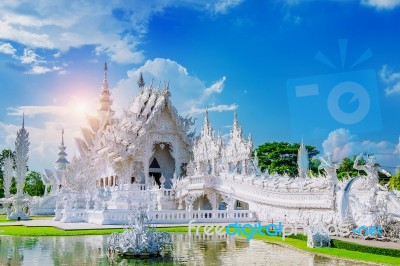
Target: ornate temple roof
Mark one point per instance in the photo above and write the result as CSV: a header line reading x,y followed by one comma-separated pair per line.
x,y
121,136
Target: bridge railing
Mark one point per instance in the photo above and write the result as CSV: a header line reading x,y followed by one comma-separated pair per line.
x,y
173,216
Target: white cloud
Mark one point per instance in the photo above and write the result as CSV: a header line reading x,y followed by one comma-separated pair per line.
x,y
188,92
341,143
217,108
114,28
391,80
38,110
37,64
381,4
223,6
29,57
217,87
7,48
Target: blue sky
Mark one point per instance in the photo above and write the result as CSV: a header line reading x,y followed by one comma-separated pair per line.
x,y
252,56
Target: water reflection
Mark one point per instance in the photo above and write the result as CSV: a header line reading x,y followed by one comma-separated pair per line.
x,y
193,250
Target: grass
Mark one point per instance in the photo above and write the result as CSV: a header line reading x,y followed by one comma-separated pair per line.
x,y
296,243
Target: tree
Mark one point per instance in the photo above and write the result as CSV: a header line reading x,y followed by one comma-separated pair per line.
x,y
33,184
394,182
314,164
281,157
346,169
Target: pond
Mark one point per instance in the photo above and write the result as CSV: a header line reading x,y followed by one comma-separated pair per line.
x,y
195,250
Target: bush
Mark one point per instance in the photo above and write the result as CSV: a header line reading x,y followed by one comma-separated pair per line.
x,y
298,236
365,249
355,247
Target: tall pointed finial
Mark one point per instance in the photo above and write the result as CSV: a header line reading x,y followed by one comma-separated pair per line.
x,y
23,120
62,137
206,116
105,83
235,118
140,81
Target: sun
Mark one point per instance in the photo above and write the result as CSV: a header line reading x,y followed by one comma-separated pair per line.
x,y
80,108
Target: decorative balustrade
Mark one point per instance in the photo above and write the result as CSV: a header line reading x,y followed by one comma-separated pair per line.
x,y
133,187
115,216
248,189
74,216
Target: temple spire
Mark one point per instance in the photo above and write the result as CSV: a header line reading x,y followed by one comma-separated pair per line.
x,y
105,97
23,120
61,163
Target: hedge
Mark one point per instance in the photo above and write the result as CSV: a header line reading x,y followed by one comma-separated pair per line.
x,y
335,243
366,249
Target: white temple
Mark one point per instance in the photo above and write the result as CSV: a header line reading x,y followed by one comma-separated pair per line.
x,y
148,157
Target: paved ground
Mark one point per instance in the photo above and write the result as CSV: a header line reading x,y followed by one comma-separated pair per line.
x,y
77,226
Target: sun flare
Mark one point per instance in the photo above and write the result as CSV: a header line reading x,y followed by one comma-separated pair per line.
x,y
80,108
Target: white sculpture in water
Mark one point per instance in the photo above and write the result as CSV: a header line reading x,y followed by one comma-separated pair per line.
x,y
139,239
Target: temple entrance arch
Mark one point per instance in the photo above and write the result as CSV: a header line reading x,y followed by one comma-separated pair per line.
x,y
162,163
202,203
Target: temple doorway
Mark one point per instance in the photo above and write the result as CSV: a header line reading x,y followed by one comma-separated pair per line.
x,y
162,163
156,177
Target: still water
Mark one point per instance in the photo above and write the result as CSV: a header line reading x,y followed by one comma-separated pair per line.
x,y
91,250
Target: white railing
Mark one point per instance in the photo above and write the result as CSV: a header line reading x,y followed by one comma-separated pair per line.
x,y
134,187
114,216
74,216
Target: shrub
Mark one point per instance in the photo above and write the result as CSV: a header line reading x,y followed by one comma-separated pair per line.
x,y
365,249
